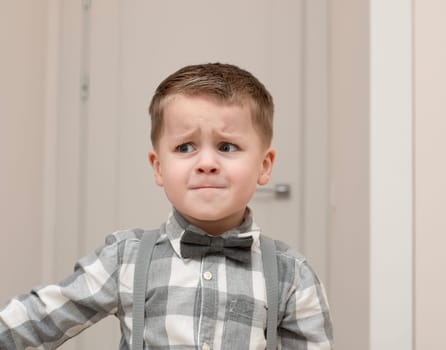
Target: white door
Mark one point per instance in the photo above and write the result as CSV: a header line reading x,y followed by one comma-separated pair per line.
x,y
127,48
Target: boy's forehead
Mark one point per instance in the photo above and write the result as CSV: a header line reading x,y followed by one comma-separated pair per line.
x,y
198,105
211,98
184,112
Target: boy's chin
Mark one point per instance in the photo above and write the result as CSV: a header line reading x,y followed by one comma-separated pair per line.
x,y
211,215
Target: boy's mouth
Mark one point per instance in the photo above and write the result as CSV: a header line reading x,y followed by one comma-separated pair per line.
x,y
203,187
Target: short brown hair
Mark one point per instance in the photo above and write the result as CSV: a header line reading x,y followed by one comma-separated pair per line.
x,y
224,82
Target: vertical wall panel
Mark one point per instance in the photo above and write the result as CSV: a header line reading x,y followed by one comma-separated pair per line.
x,y
391,179
430,173
22,88
349,226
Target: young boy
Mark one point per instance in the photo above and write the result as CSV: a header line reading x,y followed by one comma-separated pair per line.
x,y
211,137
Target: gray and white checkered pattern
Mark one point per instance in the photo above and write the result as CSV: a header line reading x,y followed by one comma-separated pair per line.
x,y
212,302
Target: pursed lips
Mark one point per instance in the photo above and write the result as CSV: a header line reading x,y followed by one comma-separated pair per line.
x,y
206,186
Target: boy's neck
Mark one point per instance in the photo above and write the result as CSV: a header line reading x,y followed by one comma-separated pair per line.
x,y
219,227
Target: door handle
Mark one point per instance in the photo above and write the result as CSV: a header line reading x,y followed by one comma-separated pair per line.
x,y
279,190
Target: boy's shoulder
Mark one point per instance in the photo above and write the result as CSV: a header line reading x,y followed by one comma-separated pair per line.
x,y
285,252
133,234
129,239
294,271
122,245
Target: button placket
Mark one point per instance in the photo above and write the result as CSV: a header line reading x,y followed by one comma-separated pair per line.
x,y
209,300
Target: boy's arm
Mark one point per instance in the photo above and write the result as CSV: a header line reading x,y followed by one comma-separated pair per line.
x,y
48,316
306,322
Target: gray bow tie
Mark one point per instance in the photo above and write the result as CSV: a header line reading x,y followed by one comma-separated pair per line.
x,y
196,245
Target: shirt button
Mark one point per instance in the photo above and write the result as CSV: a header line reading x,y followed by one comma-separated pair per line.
x,y
207,276
205,346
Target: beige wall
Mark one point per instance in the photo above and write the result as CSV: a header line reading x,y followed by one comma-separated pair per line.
x,y
22,86
430,173
349,231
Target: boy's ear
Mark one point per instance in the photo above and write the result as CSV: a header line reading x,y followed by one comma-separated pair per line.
x,y
267,166
155,163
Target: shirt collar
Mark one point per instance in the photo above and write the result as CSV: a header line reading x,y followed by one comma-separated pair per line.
x,y
176,224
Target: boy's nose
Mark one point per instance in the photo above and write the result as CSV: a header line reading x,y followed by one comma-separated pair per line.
x,y
207,163
207,170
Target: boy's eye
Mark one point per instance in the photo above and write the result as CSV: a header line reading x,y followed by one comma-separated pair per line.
x,y
185,148
227,147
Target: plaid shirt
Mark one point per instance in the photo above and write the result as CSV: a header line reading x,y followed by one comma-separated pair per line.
x,y
207,303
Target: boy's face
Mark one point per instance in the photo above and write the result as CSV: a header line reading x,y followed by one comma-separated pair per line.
x,y
209,159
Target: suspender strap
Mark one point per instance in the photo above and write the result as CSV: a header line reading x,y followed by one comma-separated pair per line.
x,y
142,263
269,259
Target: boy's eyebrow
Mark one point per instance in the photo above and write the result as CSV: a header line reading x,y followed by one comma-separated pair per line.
x,y
187,134
228,134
